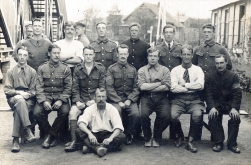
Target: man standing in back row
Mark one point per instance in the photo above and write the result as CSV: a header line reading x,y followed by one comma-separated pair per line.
x,y
80,32
105,49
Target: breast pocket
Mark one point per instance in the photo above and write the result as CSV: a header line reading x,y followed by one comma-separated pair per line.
x,y
46,79
82,79
97,55
130,79
109,54
59,79
118,79
95,81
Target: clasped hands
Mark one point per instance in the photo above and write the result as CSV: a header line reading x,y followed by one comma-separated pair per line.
x,y
126,104
94,140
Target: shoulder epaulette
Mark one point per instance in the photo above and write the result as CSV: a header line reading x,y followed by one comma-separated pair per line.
x,y
64,63
131,65
78,65
217,43
44,63
93,41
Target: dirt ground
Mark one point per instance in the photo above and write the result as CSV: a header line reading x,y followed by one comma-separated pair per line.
x,y
33,154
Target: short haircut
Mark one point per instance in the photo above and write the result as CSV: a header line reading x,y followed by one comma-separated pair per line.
x,y
100,23
152,50
36,20
134,24
209,26
221,56
100,90
89,47
169,25
123,46
28,26
69,23
52,46
22,47
188,47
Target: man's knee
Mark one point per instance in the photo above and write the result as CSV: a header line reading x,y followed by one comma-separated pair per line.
x,y
196,116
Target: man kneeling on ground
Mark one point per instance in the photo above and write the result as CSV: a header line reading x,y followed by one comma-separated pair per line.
x,y
100,127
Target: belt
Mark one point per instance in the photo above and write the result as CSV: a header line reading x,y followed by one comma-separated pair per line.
x,y
152,94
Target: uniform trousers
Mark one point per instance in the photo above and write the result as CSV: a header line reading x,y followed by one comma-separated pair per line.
x,y
113,146
21,108
217,131
158,103
41,116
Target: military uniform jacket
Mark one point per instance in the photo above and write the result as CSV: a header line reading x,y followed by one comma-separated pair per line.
x,y
84,85
204,56
105,51
54,82
121,83
137,52
223,88
170,58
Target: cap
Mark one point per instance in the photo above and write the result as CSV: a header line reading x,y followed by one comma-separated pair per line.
x,y
79,23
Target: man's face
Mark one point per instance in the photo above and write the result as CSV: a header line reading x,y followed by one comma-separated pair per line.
x,y
69,32
153,58
221,64
37,27
89,55
55,55
22,56
101,30
29,32
208,34
80,30
122,55
134,32
186,56
169,34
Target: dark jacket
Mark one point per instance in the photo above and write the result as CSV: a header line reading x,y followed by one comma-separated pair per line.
x,y
121,83
84,85
170,58
54,82
223,88
204,56
137,52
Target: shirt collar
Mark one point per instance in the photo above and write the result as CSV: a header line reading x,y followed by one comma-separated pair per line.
x,y
122,65
221,73
104,40
134,40
37,42
187,67
53,65
156,67
19,66
171,44
83,65
210,43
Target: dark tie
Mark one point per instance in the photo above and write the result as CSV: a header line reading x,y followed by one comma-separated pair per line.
x,y
186,76
169,46
21,71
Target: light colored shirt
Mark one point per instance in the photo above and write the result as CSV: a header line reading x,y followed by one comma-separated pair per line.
x,y
68,49
171,44
111,119
196,77
151,74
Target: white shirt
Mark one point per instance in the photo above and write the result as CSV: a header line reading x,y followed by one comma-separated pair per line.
x,y
111,119
196,77
68,49
171,44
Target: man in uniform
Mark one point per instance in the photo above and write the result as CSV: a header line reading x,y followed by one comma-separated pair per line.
x,y
87,77
80,32
123,92
53,89
105,49
187,79
71,50
154,81
29,31
223,96
20,92
170,57
100,127
37,45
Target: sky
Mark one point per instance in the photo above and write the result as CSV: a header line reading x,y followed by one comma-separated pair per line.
x,y
191,8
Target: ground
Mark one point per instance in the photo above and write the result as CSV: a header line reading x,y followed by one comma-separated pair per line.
x,y
134,154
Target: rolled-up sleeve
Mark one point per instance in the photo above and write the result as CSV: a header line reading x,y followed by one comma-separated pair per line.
x,y
166,79
86,117
116,120
141,77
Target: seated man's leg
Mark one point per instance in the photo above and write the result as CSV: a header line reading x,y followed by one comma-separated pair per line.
x,y
132,113
73,116
176,111
217,131
163,117
146,109
115,144
117,107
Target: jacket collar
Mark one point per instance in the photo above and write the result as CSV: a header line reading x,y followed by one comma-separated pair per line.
x,y
38,43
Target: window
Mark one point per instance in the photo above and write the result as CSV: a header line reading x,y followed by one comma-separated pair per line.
x,y
226,27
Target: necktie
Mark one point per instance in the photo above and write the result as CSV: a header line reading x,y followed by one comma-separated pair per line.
x,y
186,76
169,46
21,71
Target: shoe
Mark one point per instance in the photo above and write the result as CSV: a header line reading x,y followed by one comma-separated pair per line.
x,y
179,142
85,150
129,139
101,151
148,143
72,147
67,144
218,147
54,142
155,143
46,143
190,147
234,149
139,137
15,145
29,135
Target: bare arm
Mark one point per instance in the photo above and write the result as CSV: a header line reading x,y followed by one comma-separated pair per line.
x,y
160,89
149,86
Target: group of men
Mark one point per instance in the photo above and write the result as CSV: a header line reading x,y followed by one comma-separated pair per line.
x,y
107,92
